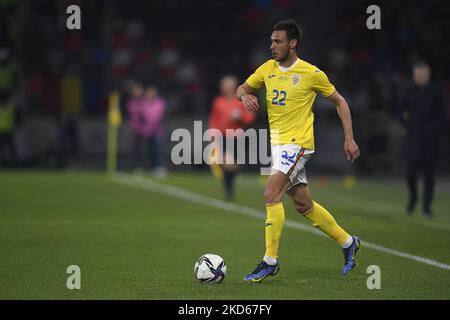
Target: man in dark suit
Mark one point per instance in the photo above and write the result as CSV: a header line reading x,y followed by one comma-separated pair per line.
x,y
421,114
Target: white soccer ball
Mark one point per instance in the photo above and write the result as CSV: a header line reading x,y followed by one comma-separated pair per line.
x,y
210,268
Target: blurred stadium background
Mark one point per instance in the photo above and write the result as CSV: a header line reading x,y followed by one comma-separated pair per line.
x,y
61,80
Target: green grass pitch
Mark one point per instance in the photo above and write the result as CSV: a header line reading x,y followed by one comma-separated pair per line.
x,y
135,243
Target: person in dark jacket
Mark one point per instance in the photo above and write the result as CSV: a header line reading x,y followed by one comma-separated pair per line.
x,y
421,114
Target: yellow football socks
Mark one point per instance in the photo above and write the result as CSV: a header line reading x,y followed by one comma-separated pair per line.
x,y
324,221
274,227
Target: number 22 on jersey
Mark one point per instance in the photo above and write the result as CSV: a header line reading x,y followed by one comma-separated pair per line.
x,y
279,98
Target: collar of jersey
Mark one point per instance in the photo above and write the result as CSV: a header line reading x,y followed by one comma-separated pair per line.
x,y
288,68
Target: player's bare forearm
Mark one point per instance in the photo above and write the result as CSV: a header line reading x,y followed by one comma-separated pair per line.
x,y
240,92
245,93
344,114
244,89
351,149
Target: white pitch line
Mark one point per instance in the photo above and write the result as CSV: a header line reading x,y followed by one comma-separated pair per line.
x,y
190,196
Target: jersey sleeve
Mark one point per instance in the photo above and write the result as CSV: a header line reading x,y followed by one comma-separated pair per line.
x,y
256,80
321,84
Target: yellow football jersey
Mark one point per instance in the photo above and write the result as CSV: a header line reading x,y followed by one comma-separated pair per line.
x,y
290,95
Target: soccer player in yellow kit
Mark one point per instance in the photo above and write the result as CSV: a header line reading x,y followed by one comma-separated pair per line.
x,y
291,88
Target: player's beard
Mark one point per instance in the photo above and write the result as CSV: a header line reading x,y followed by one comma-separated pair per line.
x,y
281,57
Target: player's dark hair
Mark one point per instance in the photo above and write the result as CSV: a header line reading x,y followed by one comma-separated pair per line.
x,y
421,64
292,28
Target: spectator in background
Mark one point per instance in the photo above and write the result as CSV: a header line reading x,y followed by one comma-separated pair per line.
x,y
8,110
146,110
228,113
71,95
421,114
134,106
9,69
8,155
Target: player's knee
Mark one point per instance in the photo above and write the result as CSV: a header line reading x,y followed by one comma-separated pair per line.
x,y
303,206
272,196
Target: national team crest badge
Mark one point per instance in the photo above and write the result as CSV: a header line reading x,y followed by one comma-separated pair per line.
x,y
295,80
